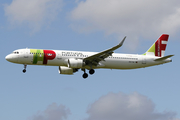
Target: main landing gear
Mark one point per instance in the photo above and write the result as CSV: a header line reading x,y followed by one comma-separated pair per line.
x,y
24,70
91,71
85,75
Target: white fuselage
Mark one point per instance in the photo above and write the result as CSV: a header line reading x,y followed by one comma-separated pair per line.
x,y
60,58
70,62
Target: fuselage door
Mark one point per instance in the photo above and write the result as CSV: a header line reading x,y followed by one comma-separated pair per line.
x,y
143,59
26,53
59,57
24,56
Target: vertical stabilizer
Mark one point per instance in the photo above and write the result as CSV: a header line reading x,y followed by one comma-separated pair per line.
x,y
159,47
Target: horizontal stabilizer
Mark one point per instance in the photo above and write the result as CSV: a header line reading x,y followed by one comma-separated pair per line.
x,y
163,58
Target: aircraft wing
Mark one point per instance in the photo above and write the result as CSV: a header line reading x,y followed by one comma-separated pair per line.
x,y
96,58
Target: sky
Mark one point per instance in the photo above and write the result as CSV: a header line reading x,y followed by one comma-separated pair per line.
x,y
89,25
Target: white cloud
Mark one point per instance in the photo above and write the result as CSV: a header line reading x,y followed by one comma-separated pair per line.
x,y
119,106
34,13
172,22
53,112
113,106
140,18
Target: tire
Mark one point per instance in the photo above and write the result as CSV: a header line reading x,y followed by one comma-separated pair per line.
x,y
85,75
91,71
24,70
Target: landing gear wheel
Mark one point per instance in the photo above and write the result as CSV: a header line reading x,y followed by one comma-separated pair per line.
x,y
91,71
85,75
24,70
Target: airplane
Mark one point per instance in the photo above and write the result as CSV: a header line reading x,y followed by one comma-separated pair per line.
x,y
70,62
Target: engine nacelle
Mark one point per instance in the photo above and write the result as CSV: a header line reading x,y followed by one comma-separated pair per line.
x,y
75,63
65,70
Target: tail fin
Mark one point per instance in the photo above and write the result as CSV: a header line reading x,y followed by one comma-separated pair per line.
x,y
159,47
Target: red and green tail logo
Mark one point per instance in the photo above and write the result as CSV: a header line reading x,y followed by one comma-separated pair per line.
x,y
159,47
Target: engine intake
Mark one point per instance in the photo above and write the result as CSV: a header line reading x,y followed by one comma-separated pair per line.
x,y
65,70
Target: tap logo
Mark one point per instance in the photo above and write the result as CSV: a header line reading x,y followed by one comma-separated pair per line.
x,y
42,56
160,45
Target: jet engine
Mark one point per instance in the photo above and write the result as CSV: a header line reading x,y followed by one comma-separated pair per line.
x,y
75,63
65,70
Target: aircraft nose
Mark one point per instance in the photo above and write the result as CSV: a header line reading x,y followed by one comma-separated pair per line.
x,y
9,58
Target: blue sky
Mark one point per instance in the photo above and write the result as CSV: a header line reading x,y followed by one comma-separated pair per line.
x,y
89,25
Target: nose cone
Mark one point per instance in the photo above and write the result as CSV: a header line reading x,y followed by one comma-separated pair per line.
x,y
8,58
12,58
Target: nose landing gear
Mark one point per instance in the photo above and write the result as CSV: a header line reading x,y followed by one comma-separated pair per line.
x,y
24,70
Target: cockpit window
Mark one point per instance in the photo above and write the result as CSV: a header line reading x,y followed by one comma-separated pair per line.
x,y
15,52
